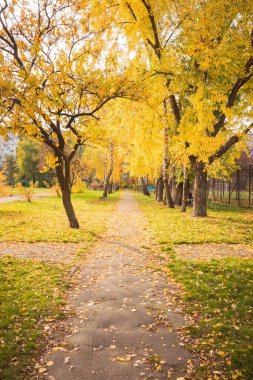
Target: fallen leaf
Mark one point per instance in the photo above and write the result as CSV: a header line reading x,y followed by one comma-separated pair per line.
x,y
42,370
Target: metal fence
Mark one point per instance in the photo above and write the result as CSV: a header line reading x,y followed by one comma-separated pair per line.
x,y
237,191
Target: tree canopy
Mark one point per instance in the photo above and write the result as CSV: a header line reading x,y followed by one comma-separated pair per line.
x,y
170,82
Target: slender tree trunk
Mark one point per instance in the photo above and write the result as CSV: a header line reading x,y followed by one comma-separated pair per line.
x,y
144,187
165,158
199,195
108,175
66,199
186,188
65,185
159,190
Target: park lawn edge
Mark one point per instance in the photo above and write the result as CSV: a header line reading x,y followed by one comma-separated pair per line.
x,y
25,313
217,298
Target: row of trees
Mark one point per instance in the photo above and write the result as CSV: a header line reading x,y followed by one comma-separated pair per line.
x,y
169,82
28,164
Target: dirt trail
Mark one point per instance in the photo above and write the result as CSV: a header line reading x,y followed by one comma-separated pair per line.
x,y
123,328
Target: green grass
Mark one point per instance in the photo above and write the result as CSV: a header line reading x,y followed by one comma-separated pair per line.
x,y
30,293
221,292
218,294
45,220
222,226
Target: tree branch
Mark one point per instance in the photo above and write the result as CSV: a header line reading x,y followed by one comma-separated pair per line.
x,y
225,147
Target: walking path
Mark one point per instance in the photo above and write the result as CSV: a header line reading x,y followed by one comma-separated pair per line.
x,y
15,198
123,327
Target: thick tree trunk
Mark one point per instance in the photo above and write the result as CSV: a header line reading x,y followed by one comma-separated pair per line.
x,y
199,195
186,188
177,192
168,194
159,189
144,187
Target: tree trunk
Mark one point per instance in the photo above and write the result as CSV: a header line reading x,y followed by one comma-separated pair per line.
x,y
199,195
66,199
65,185
186,188
177,192
108,175
159,189
168,194
165,158
144,187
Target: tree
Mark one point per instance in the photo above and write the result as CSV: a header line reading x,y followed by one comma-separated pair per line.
x,y
203,52
108,173
10,168
27,160
65,73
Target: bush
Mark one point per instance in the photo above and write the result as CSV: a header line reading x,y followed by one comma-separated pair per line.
x,y
27,192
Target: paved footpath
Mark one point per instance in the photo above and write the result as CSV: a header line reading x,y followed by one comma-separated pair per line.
x,y
15,198
123,327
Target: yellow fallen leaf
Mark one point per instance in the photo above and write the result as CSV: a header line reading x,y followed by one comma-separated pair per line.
x,y
58,348
222,353
50,363
122,359
42,370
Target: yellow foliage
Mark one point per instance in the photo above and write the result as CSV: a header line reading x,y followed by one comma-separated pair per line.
x,y
27,192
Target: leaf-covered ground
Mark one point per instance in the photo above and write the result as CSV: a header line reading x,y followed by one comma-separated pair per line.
x,y
44,219
222,226
217,293
30,295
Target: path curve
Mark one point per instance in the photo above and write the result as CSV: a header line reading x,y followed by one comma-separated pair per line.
x,y
123,328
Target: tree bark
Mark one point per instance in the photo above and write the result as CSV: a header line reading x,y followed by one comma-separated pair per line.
x,y
159,189
186,188
176,192
64,180
165,158
168,194
199,195
66,199
108,175
144,187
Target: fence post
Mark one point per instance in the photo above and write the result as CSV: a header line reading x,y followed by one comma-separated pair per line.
x,y
250,185
238,186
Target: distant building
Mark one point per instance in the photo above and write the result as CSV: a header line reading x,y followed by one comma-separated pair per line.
x,y
8,147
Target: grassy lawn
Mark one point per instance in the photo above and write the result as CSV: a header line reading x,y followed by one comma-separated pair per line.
x,y
222,226
217,294
45,220
30,294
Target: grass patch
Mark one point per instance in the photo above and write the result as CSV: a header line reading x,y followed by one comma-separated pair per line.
x,y
30,293
45,220
219,293
222,226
